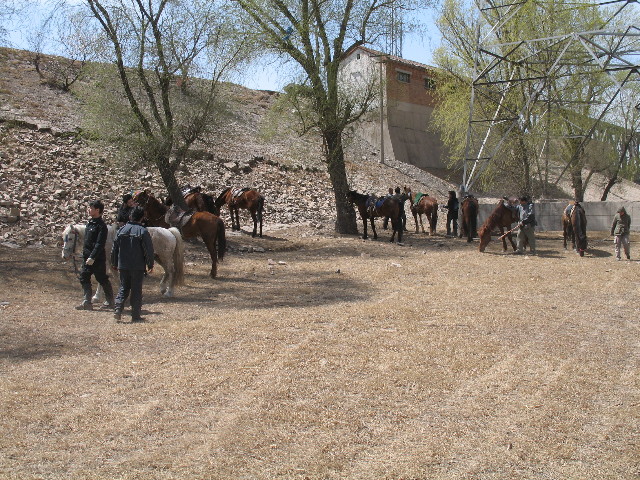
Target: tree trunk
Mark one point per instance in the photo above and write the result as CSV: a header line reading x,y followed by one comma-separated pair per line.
x,y
168,175
576,183
345,214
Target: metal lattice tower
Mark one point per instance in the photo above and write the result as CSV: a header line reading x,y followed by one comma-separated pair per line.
x,y
394,34
612,48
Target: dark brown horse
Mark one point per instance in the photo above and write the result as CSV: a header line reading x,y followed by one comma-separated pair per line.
x,y
469,224
422,203
502,217
370,207
245,198
204,224
574,226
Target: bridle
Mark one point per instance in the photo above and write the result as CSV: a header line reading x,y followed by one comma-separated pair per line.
x,y
144,203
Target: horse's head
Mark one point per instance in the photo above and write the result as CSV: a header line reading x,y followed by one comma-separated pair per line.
x,y
485,237
70,240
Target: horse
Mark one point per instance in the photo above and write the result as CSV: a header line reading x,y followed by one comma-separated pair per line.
x,y
574,226
423,204
201,202
207,225
370,207
501,217
168,250
246,198
469,224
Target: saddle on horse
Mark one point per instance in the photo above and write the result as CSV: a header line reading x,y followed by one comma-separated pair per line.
x,y
187,189
178,218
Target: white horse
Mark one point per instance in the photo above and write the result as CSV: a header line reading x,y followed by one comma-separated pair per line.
x,y
168,249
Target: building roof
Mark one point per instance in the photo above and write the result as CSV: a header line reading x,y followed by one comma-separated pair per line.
x,y
392,58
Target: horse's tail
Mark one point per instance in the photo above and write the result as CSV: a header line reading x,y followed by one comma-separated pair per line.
x,y
178,258
434,216
260,208
222,239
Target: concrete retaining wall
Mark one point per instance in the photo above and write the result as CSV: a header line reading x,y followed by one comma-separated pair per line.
x,y
599,214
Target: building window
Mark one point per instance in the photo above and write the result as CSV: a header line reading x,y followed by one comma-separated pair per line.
x,y
404,77
429,83
357,56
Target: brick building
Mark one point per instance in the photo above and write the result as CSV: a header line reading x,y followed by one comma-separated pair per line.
x,y
409,100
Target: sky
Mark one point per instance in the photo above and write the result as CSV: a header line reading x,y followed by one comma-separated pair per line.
x,y
273,75
418,47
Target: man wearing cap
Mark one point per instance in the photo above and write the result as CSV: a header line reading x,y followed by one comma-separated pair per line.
x,y
620,229
125,210
527,223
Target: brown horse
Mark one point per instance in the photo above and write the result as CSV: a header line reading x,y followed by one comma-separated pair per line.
x,y
246,198
574,226
201,202
469,224
422,203
204,224
502,217
370,207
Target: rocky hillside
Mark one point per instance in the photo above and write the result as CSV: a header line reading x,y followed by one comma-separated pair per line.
x,y
48,172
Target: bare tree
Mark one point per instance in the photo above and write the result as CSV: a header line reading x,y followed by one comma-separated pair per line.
x,y
170,58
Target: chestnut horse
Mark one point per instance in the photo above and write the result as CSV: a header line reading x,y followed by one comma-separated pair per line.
x,y
204,224
574,226
246,198
201,202
502,217
422,203
469,224
370,207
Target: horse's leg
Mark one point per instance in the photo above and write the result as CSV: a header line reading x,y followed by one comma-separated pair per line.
x,y
415,219
98,296
163,280
364,224
373,228
513,244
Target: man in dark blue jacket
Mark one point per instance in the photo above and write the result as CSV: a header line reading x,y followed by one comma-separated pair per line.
x,y
94,257
132,255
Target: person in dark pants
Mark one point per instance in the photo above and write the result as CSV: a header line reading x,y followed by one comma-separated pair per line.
x,y
125,210
132,256
452,213
94,257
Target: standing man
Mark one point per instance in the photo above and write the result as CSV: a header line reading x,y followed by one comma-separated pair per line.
x,y
620,228
452,213
132,256
125,210
527,223
94,257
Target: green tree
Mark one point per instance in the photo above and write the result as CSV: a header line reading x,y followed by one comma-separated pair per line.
x,y
170,57
315,35
546,94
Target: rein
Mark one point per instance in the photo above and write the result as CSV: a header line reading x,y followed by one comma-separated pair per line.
x,y
76,234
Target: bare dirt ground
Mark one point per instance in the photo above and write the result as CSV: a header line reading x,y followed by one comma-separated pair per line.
x,y
344,359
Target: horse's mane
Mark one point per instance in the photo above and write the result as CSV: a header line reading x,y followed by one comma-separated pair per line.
x,y
220,200
358,196
494,218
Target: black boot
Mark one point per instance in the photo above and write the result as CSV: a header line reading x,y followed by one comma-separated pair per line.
x,y
86,301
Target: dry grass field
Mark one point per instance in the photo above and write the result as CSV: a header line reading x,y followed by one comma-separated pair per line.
x,y
339,359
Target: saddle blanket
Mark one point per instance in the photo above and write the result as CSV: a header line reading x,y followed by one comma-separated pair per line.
x,y
178,218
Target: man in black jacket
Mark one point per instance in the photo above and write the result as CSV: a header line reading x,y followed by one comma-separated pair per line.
x,y
94,257
132,255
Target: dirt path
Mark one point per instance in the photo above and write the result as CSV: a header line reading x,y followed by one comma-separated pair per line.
x,y
342,358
